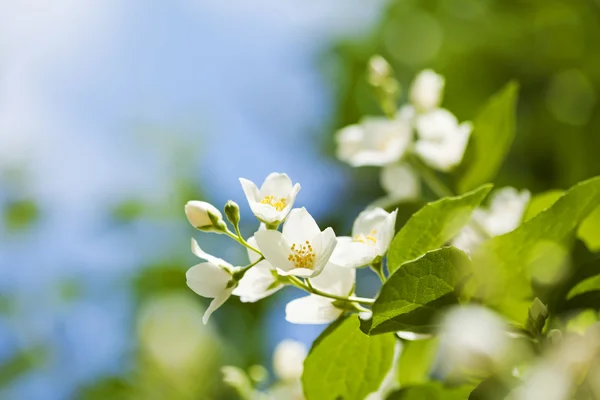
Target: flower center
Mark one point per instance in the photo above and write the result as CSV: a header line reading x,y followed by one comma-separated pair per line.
x,y
302,255
279,205
369,239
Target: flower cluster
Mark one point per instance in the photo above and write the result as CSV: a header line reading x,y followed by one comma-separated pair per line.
x,y
299,254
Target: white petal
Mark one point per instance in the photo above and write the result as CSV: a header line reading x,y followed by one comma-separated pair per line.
x,y
257,283
267,213
335,280
197,213
324,245
250,190
277,185
207,279
252,255
349,142
368,221
275,248
216,303
351,254
400,181
436,124
426,90
300,226
311,310
386,232
506,210
198,252
301,272
288,360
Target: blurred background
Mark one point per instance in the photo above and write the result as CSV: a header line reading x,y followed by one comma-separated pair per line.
x,y
114,114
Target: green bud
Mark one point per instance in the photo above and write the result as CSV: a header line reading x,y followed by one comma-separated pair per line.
x,y
536,319
232,212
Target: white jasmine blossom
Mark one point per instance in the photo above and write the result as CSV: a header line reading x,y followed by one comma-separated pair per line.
x,y
198,214
288,360
427,90
258,282
301,249
374,141
212,279
400,181
315,309
441,140
275,198
504,214
372,233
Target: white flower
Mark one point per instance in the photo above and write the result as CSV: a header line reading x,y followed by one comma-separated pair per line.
x,y
301,248
314,309
197,213
372,233
210,279
442,141
259,281
288,360
472,338
504,214
374,141
426,90
400,181
272,203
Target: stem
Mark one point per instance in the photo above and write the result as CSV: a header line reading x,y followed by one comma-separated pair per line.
x,y
242,271
377,267
238,238
310,289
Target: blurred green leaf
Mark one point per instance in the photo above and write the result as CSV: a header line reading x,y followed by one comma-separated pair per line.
x,y
344,363
433,225
588,285
416,360
589,230
493,134
432,391
21,214
503,263
541,202
412,296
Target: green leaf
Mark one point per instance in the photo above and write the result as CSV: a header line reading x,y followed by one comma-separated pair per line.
x,y
433,225
412,296
344,363
585,286
589,230
541,202
493,134
416,361
432,391
504,264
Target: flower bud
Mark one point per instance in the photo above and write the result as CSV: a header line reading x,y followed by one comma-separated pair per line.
x,y
204,216
232,212
379,70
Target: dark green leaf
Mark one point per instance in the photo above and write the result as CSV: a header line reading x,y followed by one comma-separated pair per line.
x,y
432,391
412,296
344,363
433,225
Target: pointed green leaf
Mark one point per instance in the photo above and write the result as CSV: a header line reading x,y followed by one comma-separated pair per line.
x,y
493,134
433,225
411,297
589,231
541,202
504,264
344,363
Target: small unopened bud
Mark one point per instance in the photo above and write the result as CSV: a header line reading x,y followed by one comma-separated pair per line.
x,y
204,216
379,70
232,212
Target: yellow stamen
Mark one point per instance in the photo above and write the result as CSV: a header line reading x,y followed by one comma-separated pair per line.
x,y
369,239
279,205
302,255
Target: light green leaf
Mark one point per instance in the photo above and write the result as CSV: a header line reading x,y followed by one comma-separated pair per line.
x,y
588,285
416,361
344,363
432,391
412,296
541,202
504,264
589,230
433,225
493,134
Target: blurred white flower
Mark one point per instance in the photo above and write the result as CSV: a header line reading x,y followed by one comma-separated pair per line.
x,y
374,141
426,90
372,233
211,279
301,248
441,140
472,339
504,214
259,281
272,203
288,360
314,309
197,213
400,181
